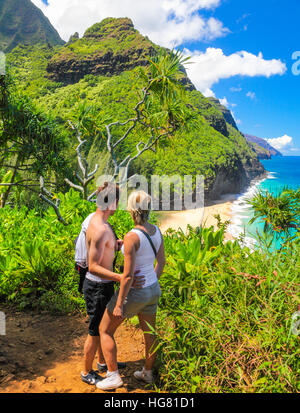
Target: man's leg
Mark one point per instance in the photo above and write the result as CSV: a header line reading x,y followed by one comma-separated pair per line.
x,y
108,326
91,345
101,358
108,292
92,295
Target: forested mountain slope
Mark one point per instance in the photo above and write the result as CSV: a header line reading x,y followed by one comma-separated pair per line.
x,y
100,71
21,22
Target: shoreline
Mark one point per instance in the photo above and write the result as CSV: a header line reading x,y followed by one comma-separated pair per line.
x,y
241,211
200,216
224,206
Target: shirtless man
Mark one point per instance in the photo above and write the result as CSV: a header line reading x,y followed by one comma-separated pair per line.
x,y
98,287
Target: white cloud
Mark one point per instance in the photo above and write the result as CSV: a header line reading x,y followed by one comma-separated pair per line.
x,y
166,22
235,89
284,142
211,66
251,95
209,93
224,102
237,121
243,17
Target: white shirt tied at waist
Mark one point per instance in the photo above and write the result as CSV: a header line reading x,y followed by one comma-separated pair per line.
x,y
80,248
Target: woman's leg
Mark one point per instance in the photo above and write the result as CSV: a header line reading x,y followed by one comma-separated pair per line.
x,y
150,339
108,326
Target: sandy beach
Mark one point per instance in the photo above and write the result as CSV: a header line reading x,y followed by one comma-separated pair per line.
x,y
201,216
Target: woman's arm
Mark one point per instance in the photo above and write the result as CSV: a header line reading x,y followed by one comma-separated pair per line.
x,y
130,243
161,259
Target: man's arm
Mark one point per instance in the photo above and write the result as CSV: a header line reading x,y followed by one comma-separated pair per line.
x,y
96,251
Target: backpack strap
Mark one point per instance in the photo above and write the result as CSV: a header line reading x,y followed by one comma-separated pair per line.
x,y
116,255
149,239
113,231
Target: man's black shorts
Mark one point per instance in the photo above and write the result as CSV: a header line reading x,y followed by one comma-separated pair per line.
x,y
96,295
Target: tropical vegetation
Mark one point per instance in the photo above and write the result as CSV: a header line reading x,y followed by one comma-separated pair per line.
x,y
225,318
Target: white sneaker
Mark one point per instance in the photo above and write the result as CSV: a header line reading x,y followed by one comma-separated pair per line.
x,y
112,381
144,375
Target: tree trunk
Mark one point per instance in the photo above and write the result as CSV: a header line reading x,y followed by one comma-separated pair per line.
x,y
5,195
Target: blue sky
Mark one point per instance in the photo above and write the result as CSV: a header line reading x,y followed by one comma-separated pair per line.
x,y
213,32
270,27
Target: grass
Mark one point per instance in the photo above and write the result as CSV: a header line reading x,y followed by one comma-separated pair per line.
x,y
225,315
232,333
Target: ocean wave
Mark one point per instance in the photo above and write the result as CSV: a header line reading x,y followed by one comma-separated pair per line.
x,y
272,175
242,211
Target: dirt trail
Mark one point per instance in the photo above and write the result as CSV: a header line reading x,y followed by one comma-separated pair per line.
x,y
43,354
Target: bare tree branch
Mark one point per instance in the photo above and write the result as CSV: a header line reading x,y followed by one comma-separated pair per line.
x,y
146,146
79,188
137,119
86,177
54,205
90,198
16,183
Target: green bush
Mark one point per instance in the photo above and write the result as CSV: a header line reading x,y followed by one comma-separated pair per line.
x,y
225,315
37,253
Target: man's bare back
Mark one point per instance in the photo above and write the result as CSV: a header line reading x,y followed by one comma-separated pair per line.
x,y
101,247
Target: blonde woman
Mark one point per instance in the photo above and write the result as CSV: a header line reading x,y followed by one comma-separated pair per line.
x,y
141,246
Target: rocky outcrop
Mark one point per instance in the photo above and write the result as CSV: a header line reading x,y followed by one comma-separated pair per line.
x,y
71,70
211,114
21,22
261,152
264,144
107,48
233,180
226,112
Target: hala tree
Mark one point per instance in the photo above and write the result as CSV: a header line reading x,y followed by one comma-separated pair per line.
x,y
30,144
279,212
159,112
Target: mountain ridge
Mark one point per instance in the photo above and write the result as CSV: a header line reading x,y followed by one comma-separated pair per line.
x,y
225,111
264,144
21,22
107,48
211,145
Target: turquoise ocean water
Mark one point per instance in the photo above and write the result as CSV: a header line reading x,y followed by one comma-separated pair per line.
x,y
282,171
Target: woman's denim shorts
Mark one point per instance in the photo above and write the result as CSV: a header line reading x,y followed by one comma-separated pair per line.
x,y
138,301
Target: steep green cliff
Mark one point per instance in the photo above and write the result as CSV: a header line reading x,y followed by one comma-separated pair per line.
x,y
261,152
107,48
61,80
225,112
261,146
21,22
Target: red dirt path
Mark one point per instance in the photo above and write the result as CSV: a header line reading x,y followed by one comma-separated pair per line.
x,y
43,354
